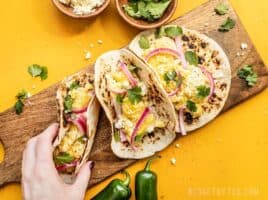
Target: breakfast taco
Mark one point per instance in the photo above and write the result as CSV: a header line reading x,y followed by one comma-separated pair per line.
x,y
78,110
141,114
191,67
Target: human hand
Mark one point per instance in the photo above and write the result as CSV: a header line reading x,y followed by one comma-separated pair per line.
x,y
40,179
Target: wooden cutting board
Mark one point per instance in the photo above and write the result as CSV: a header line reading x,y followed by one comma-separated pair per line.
x,y
15,130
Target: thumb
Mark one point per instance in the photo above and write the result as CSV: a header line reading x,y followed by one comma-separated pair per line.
x,y
83,176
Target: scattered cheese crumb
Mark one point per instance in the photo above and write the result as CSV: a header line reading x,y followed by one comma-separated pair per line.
x,y
33,86
91,45
244,46
87,55
242,54
99,41
177,145
173,161
238,54
206,24
29,95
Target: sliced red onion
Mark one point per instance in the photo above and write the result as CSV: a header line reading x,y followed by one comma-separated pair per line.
x,y
180,51
128,74
162,51
117,91
211,81
80,110
181,121
139,123
81,123
177,89
63,167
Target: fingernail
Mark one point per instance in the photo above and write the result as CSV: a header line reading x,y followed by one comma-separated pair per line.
x,y
91,165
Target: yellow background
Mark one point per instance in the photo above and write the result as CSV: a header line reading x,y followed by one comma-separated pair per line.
x,y
230,154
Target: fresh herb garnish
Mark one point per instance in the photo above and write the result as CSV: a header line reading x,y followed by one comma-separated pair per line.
x,y
133,68
191,58
191,106
248,74
37,70
203,91
144,42
68,104
119,99
82,139
74,85
160,31
63,158
138,138
170,76
21,96
149,10
173,31
134,95
116,136
227,25
221,9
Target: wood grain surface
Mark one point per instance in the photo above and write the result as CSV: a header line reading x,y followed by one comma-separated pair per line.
x,y
41,110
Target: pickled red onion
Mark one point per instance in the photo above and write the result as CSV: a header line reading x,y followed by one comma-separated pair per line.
x,y
211,81
177,89
162,51
66,166
128,74
139,123
80,122
79,110
180,51
181,121
122,136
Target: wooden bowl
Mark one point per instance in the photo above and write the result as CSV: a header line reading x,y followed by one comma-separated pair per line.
x,y
142,24
67,10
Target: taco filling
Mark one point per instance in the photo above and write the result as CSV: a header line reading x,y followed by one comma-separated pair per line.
x,y
76,98
135,117
187,68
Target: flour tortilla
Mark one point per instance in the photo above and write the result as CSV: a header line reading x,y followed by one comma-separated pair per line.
x,y
222,76
92,120
163,106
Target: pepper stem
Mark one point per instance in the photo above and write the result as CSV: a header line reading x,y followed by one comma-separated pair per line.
x,y
148,164
126,182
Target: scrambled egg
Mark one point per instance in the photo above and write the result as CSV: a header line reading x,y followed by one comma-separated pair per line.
x,y
70,143
81,96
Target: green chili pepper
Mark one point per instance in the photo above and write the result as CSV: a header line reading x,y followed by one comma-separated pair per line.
x,y
116,190
146,183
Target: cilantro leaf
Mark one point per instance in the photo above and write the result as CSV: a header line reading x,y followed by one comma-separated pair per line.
x,y
191,106
160,31
173,31
144,42
248,74
119,99
19,106
21,96
203,91
191,58
68,104
134,95
63,158
170,76
221,9
37,70
138,138
74,85
157,8
227,25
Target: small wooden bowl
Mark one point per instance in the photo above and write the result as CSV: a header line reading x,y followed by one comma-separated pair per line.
x,y
142,24
67,10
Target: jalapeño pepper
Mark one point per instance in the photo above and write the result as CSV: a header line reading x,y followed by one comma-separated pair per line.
x,y
116,190
146,183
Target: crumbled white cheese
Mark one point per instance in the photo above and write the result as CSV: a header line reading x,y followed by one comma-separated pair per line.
x,y
173,161
87,55
206,24
91,45
99,41
244,46
238,54
81,7
177,145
